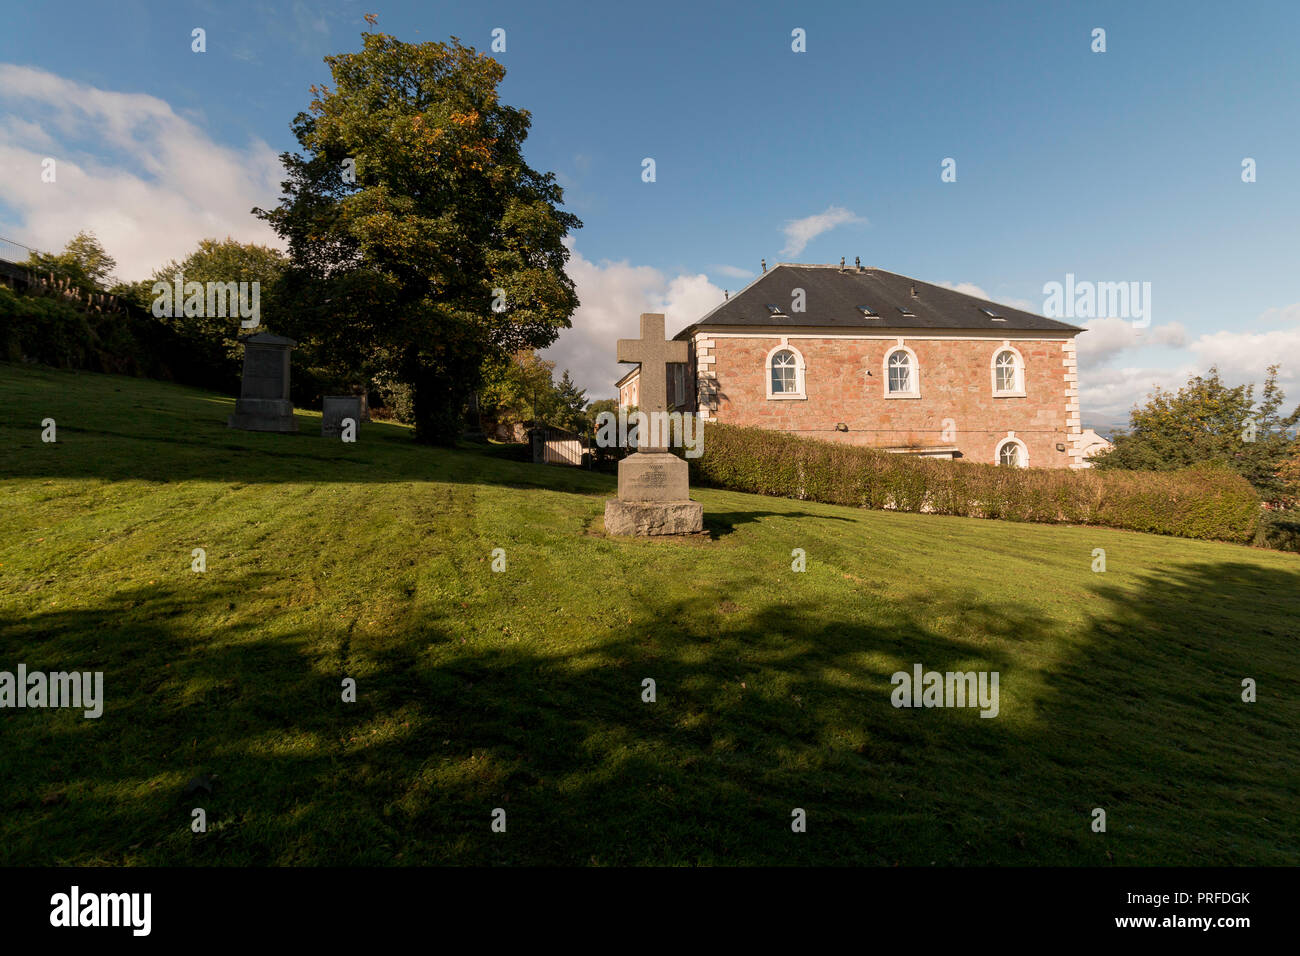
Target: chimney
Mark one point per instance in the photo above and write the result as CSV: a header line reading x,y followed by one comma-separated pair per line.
x,y
857,261
913,288
726,294
841,263
764,261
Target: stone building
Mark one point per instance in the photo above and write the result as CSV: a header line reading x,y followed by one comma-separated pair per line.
x,y
869,357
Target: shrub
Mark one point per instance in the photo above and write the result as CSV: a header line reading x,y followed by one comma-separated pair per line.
x,y
1280,531
50,329
1198,502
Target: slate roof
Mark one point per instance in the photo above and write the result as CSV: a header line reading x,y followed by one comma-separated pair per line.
x,y
833,299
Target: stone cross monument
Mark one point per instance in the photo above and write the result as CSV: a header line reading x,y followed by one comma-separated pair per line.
x,y
653,484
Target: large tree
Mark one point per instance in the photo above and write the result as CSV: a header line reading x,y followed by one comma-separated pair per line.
x,y
225,260
422,244
83,261
1206,420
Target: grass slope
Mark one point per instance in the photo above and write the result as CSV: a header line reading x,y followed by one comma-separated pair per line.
x,y
522,689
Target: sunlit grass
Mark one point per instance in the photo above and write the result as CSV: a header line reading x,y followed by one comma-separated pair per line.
x,y
523,690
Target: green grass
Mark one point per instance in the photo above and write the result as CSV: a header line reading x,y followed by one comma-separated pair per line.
x,y
522,689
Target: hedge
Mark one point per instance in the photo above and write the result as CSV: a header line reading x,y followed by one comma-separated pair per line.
x,y
50,330
1199,502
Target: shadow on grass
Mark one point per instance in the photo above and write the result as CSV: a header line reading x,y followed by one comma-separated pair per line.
x,y
757,713
720,523
185,437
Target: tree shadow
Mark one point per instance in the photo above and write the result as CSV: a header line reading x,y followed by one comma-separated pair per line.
x,y
757,711
719,523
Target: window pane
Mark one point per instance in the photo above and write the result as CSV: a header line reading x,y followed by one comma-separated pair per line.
x,y
1010,454
900,372
784,374
1005,375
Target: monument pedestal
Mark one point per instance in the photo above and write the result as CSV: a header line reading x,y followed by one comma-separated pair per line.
x,y
263,415
263,404
653,497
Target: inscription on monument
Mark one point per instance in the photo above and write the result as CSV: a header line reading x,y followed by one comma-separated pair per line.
x,y
654,477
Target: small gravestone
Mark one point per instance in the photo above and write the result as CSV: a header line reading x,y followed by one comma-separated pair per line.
x,y
653,483
264,404
335,408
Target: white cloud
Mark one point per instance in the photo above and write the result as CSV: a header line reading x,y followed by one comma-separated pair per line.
x,y
970,288
800,232
613,295
965,288
1108,393
1287,313
731,272
1106,338
147,181
1245,357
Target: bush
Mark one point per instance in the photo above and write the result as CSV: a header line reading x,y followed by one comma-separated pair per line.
x,y
1199,502
63,333
1280,531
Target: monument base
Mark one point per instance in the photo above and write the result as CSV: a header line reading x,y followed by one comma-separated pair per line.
x,y
645,518
263,415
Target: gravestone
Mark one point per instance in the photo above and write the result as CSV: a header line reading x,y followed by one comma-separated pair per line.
x,y
335,408
653,483
263,404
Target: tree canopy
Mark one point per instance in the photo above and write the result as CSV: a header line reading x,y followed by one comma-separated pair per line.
x,y
522,389
83,261
1206,420
225,260
422,244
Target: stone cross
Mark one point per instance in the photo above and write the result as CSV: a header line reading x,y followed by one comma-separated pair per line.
x,y
654,354
653,484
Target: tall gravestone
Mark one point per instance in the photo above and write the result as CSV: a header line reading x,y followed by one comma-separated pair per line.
x,y
264,404
653,483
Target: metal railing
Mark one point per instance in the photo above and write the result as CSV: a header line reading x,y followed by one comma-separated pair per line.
x,y
14,252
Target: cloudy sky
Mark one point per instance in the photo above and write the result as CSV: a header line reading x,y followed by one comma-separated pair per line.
x,y
1122,166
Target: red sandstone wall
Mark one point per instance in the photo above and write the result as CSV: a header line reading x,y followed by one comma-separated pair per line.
x,y
955,382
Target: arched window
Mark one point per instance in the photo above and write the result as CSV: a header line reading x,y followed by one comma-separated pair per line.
x,y
785,373
785,370
902,376
1008,372
1011,452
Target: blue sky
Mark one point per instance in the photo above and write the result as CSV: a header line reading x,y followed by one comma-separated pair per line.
x,y
1115,166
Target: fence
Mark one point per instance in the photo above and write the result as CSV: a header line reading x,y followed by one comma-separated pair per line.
x,y
556,446
15,252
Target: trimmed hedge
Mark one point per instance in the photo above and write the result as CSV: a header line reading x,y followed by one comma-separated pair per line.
x,y
54,331
1199,502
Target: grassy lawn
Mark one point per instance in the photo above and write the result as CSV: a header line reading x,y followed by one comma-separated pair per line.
x,y
522,689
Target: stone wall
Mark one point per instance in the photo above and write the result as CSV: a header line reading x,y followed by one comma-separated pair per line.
x,y
845,382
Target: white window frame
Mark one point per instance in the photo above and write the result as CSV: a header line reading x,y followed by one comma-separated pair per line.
x,y
915,367
1019,390
798,393
1011,439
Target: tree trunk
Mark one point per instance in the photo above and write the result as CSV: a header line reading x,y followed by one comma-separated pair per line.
x,y
437,403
